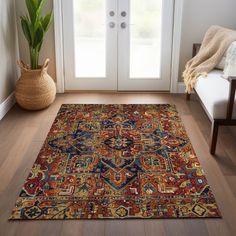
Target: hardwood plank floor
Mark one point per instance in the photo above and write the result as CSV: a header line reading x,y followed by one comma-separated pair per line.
x,y
22,134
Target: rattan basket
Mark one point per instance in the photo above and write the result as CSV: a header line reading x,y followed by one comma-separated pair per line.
x,y
35,90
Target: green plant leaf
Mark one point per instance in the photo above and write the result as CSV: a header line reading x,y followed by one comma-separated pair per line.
x,y
30,26
26,29
36,2
39,33
39,46
34,26
31,9
41,4
46,21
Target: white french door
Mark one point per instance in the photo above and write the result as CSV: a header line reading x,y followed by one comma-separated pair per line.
x,y
117,44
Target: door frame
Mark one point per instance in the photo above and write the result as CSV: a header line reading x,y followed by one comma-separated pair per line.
x,y
59,42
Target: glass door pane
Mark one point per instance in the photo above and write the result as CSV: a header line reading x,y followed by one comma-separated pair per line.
x,y
90,38
90,44
145,38
145,44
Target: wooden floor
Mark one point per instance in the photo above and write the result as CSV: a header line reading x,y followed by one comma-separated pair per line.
x,y
22,134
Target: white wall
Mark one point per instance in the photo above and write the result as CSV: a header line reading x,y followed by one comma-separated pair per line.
x,y
48,48
198,16
8,49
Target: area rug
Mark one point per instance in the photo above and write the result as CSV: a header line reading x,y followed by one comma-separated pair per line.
x,y
116,162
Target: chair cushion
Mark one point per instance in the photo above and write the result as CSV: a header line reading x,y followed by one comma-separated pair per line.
x,y
221,64
213,91
230,62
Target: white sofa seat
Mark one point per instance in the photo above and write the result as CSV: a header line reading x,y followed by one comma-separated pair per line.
x,y
213,91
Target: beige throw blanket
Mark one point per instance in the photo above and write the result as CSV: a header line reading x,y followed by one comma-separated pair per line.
x,y
215,43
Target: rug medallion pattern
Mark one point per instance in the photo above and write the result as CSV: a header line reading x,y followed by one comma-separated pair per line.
x,y
116,161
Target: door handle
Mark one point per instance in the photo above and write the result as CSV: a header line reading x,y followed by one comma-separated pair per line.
x,y
123,25
111,13
112,25
123,13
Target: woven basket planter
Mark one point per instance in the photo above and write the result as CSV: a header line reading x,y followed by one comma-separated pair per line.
x,y
35,90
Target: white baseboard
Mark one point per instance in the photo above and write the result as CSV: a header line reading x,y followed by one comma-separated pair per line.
x,y
181,87
7,105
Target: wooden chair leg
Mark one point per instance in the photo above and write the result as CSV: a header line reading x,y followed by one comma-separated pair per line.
x,y
188,95
214,135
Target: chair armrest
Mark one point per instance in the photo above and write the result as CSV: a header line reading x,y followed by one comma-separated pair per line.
x,y
196,48
231,97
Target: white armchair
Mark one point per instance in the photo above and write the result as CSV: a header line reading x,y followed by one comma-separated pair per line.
x,y
217,96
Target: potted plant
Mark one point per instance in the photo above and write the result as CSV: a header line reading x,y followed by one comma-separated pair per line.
x,y
35,90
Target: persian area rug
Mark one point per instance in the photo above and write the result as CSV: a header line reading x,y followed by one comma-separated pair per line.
x,y
116,161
